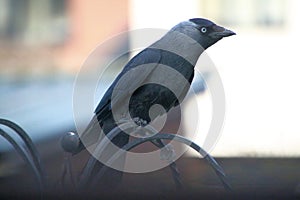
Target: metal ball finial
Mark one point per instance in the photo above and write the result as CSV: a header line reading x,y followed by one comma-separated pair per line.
x,y
70,142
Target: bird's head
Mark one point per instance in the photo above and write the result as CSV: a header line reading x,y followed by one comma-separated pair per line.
x,y
205,32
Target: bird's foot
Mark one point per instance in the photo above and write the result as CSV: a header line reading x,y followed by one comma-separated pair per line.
x,y
140,121
139,131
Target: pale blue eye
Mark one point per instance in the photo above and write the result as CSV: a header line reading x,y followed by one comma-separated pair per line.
x,y
203,30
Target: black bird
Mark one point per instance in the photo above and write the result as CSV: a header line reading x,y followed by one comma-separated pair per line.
x,y
144,83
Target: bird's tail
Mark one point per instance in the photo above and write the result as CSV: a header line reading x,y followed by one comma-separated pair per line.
x,y
90,135
93,134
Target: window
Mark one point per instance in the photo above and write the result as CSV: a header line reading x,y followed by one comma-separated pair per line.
x,y
33,22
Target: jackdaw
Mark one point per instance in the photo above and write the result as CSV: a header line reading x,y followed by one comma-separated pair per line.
x,y
160,74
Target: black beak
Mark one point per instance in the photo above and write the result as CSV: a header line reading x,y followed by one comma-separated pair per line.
x,y
226,33
220,32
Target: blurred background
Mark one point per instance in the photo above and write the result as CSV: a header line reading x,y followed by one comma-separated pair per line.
x,y
44,43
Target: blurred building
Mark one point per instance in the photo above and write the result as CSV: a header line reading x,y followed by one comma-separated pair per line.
x,y
259,66
61,33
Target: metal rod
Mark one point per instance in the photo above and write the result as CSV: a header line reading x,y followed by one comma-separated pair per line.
x,y
211,161
28,142
25,156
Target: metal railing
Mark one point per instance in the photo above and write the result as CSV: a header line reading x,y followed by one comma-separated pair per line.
x,y
70,142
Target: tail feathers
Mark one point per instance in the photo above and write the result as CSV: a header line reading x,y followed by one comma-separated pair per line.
x,y
90,135
94,134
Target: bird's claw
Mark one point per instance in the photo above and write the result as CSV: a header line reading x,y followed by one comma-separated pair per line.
x,y
140,121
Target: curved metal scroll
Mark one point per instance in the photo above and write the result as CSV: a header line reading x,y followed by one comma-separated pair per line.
x,y
29,154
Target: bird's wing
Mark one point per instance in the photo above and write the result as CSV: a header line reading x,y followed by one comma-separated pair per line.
x,y
186,71
131,81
